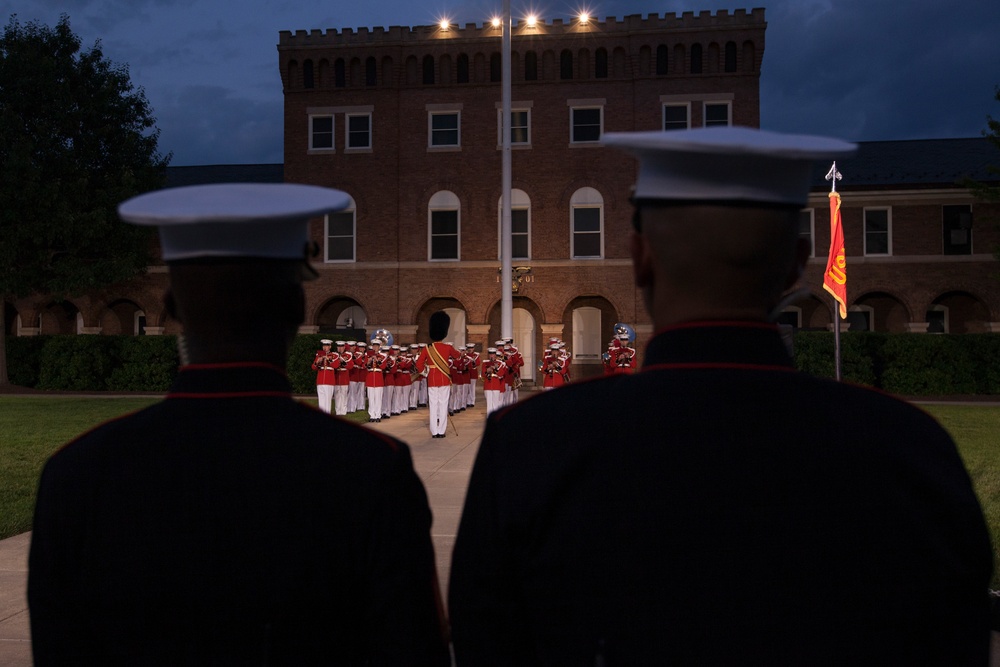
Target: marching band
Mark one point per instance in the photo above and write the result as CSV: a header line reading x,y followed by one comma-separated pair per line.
x,y
388,374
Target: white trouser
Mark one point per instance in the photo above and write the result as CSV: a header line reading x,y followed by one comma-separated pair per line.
x,y
492,397
414,391
437,400
324,392
387,400
400,398
340,399
422,392
374,402
359,395
472,393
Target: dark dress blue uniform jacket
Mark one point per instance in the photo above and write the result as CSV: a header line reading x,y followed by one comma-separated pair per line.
x,y
718,508
232,525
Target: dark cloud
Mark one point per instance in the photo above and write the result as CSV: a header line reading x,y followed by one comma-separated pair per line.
x,y
861,69
214,125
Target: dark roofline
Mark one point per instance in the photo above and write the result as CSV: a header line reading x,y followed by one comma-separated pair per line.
x,y
915,163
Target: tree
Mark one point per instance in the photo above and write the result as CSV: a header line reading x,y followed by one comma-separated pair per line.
x,y
986,191
76,139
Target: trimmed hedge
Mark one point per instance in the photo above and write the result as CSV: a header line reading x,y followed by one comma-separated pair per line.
x,y
905,364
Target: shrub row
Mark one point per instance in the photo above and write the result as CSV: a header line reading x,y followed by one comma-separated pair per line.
x,y
905,364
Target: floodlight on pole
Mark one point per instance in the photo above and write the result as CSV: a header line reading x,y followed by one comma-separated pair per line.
x,y
506,243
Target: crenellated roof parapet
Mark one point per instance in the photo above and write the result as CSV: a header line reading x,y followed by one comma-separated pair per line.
x,y
634,23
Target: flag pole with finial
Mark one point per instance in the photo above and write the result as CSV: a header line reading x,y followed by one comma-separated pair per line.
x,y
835,278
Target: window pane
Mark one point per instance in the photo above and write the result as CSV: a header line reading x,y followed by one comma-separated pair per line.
x,y
340,248
340,224
519,221
442,121
877,232
586,220
716,114
444,222
675,118
587,245
586,124
519,246
322,132
444,247
358,135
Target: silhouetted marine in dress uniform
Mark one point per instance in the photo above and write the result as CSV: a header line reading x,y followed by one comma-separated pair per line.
x,y
740,512
230,524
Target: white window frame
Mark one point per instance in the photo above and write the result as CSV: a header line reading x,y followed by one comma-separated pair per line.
x,y
353,210
332,148
582,105
435,110
811,212
676,105
717,103
516,107
585,198
348,148
444,200
888,218
519,201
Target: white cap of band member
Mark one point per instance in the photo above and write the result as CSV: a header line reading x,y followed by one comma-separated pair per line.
x,y
326,341
726,164
200,221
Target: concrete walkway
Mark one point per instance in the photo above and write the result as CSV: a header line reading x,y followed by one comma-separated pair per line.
x,y
443,464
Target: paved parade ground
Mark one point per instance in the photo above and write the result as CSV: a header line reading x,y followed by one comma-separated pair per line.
x,y
443,464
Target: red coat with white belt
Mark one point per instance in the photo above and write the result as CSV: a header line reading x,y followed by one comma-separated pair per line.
x,y
435,377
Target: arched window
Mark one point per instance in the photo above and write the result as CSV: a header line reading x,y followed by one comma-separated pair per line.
x,y
520,225
586,224
696,58
566,64
355,72
339,73
443,225
463,68
307,74
749,56
730,65
496,73
371,71
601,63
428,70
530,66
662,66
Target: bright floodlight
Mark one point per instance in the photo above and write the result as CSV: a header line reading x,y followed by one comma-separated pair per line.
x,y
532,20
445,24
495,21
584,18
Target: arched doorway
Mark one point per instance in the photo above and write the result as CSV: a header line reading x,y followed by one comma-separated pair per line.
x,y
523,328
343,317
957,312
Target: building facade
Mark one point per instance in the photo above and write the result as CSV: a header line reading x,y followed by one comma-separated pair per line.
x,y
407,122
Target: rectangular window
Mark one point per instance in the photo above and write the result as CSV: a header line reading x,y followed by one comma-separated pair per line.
x,y
807,231
878,231
957,226
676,117
586,124
444,129
359,131
520,127
717,113
340,236
321,133
519,233
586,232
444,234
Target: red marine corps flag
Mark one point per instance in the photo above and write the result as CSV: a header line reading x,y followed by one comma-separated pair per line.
x,y
835,278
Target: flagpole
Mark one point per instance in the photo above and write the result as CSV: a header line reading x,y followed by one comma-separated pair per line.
x,y
833,176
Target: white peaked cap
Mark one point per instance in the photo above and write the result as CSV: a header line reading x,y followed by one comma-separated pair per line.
x,y
726,164
266,220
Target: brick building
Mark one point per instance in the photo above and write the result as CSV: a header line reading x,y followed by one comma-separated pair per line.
x,y
407,121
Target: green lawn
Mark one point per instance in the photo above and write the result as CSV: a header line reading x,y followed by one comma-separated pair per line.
x,y
31,428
